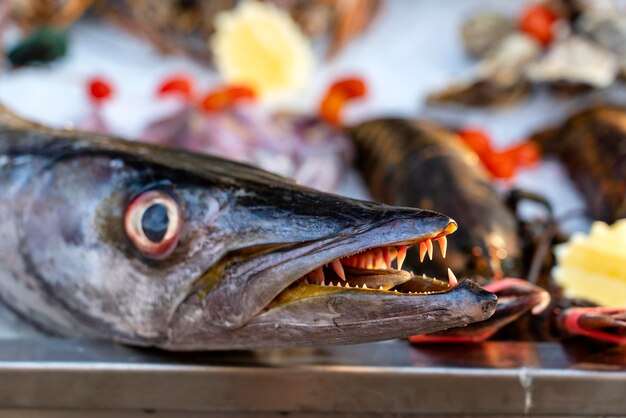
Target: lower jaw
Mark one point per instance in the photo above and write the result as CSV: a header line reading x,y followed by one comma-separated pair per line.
x,y
304,290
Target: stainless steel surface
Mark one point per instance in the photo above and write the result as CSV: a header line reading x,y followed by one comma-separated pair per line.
x,y
44,377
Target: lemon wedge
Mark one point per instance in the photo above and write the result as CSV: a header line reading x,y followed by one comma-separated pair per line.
x,y
593,266
260,46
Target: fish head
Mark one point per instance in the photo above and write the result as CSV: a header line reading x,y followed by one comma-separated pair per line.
x,y
155,246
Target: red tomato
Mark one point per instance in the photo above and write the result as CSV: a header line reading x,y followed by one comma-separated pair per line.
x,y
338,95
100,90
538,22
181,85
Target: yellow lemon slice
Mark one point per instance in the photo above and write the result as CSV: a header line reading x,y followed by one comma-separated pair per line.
x,y
260,46
593,266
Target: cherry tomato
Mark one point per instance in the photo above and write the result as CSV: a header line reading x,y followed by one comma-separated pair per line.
x,y
476,139
225,97
179,85
538,22
338,95
100,90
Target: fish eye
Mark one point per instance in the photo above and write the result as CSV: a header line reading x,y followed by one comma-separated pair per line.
x,y
153,221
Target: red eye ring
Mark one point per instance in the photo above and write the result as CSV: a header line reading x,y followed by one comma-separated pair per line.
x,y
153,221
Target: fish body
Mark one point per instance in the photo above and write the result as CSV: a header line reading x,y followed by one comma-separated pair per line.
x,y
153,246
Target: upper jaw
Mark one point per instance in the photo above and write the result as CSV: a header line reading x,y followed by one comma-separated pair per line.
x,y
250,287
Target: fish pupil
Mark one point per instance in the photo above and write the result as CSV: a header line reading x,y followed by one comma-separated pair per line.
x,y
154,222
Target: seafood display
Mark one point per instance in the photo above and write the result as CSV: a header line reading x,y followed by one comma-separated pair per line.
x,y
417,163
569,48
394,155
154,246
187,27
170,239
499,78
591,145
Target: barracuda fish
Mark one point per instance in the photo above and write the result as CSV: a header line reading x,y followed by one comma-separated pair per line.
x,y
153,246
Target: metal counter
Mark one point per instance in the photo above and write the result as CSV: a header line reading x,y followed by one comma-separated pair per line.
x,y
66,378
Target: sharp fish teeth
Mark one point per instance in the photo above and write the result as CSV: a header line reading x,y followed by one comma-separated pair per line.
x,y
429,246
339,269
452,278
423,250
317,275
443,245
401,256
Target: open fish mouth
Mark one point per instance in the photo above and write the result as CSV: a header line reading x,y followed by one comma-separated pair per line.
x,y
375,269
345,287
